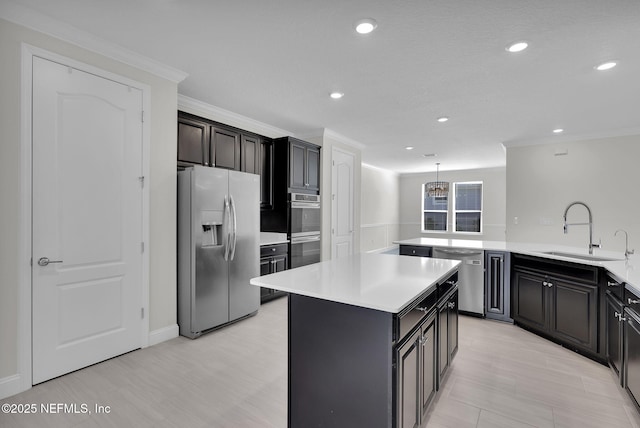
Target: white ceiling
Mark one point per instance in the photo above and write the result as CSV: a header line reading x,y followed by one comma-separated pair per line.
x,y
277,61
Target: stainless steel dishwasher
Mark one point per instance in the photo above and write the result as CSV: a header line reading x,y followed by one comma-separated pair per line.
x,y
470,277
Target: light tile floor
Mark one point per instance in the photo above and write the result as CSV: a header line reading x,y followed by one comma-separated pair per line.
x,y
236,377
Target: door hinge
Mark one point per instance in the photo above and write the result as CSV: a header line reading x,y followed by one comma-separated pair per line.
x,y
141,178
142,116
142,247
141,313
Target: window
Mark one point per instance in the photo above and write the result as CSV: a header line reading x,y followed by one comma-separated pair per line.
x,y
434,212
467,207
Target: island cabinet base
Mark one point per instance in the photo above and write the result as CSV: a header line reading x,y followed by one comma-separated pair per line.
x,y
340,365
351,366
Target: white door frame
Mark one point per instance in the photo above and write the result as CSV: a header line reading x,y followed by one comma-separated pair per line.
x,y
24,350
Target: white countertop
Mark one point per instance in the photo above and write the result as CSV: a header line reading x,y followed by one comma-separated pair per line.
x,y
622,270
383,282
271,238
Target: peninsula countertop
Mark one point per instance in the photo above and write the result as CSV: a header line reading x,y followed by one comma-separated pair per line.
x,y
382,282
627,271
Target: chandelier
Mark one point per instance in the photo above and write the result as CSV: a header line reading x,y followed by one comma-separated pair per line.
x,y
437,188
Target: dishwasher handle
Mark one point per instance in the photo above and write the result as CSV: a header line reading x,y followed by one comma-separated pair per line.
x,y
464,253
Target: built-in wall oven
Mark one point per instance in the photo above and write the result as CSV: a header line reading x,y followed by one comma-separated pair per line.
x,y
304,229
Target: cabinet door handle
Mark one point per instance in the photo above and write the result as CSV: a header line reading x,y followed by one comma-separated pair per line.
x,y
451,305
549,284
545,283
632,302
619,316
612,284
424,340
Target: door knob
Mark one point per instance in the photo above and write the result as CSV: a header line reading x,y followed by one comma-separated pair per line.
x,y
44,261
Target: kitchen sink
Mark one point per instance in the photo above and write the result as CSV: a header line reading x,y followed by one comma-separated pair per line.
x,y
582,256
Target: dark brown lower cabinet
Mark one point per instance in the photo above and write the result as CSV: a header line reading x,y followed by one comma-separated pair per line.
x,y
574,316
565,310
273,258
530,300
417,374
356,367
447,333
497,287
614,332
631,370
408,376
428,360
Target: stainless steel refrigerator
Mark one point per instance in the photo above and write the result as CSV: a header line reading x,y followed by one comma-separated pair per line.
x,y
218,247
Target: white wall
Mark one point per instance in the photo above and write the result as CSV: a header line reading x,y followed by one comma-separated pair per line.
x,y
494,200
602,173
162,181
380,205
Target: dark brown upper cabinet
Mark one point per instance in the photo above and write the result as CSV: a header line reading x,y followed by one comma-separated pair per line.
x,y
205,142
250,153
193,142
266,174
225,148
304,166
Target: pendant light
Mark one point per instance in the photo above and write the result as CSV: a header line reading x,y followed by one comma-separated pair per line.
x,y
437,188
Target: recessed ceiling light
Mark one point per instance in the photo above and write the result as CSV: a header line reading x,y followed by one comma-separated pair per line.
x,y
365,26
336,95
409,147
558,131
443,119
606,66
517,47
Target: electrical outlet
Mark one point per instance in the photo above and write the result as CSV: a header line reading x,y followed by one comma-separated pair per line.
x,y
546,221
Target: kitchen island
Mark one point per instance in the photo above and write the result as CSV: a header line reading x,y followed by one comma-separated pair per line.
x,y
370,338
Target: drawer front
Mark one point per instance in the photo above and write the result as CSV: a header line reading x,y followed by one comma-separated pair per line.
x,y
411,250
273,250
615,287
411,319
632,300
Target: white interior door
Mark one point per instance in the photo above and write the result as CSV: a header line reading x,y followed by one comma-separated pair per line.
x,y
87,219
342,204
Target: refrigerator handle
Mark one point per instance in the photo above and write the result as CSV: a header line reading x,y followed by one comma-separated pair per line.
x,y
227,211
235,228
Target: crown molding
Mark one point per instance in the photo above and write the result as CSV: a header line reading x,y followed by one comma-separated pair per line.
x,y
377,168
571,138
328,133
200,108
37,21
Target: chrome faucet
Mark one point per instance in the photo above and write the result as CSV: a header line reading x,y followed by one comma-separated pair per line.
x,y
627,251
590,224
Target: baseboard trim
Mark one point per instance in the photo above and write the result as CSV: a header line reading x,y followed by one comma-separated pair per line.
x,y
11,385
163,334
